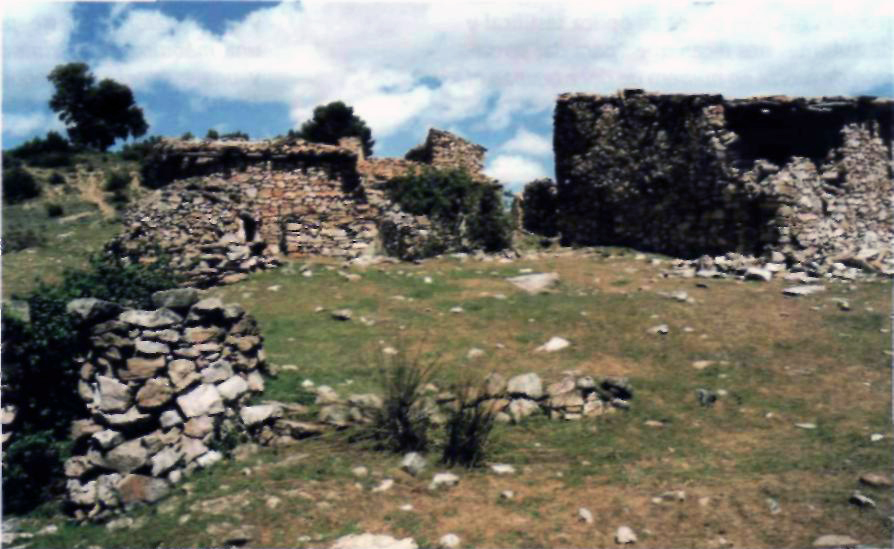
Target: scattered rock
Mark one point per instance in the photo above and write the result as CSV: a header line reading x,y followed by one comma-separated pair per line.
x,y
805,425
625,535
861,500
360,471
384,486
413,463
449,541
502,469
584,515
507,494
661,329
373,541
797,291
535,283
443,480
342,314
835,541
526,385
876,480
554,344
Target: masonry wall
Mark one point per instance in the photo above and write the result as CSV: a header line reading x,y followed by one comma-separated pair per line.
x,y
697,174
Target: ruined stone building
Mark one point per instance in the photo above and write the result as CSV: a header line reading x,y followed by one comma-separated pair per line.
x,y
687,175
225,208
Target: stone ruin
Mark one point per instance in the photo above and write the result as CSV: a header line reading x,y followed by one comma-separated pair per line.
x,y
168,392
226,208
806,183
163,389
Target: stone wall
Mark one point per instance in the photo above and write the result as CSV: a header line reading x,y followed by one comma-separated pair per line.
x,y
228,208
163,388
689,175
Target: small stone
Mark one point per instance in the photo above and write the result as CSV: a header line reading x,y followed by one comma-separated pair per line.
x,y
876,480
861,500
233,388
875,437
406,507
507,494
554,344
805,425
360,471
155,393
449,541
413,463
702,364
521,408
127,457
835,541
253,415
584,515
653,423
443,480
756,273
526,385
384,486
373,541
342,314
502,469
798,291
625,535
535,283
661,329
108,439
170,418
203,400
273,502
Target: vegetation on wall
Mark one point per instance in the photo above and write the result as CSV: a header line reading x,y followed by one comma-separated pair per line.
x,y
540,203
467,210
32,464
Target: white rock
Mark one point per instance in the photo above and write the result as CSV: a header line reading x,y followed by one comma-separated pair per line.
x,y
833,540
535,283
584,515
253,415
413,463
797,291
443,480
360,471
233,388
170,418
502,469
474,353
625,535
406,507
449,541
203,400
554,344
384,486
521,408
373,541
528,385
507,494
661,329
756,273
209,458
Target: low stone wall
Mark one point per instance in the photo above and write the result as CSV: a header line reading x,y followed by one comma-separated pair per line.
x,y
689,175
164,389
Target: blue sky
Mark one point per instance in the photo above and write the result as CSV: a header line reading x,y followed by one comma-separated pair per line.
x,y
488,71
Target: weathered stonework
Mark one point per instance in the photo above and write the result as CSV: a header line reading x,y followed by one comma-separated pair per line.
x,y
162,389
227,208
689,175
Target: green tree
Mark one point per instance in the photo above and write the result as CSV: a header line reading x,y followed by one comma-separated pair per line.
x,y
332,122
212,134
95,115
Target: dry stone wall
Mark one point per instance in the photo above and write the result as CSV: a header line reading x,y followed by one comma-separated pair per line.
x,y
227,208
163,389
690,175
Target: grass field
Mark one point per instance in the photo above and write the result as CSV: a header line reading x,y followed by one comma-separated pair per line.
x,y
752,478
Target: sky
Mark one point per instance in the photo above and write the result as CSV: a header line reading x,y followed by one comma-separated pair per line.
x,y
489,72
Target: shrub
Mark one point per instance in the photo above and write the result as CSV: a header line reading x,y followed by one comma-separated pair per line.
x,y
468,429
187,136
466,208
57,179
236,135
402,423
20,239
19,185
44,349
333,121
212,134
54,210
139,150
116,181
52,151
540,203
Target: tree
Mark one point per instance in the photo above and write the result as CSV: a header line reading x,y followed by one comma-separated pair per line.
x,y
332,122
95,115
212,134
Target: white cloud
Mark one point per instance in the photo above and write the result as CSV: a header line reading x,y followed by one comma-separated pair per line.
x,y
35,39
530,143
23,125
494,61
515,169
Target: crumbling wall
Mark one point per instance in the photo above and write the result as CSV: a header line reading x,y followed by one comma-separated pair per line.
x,y
163,389
444,150
690,175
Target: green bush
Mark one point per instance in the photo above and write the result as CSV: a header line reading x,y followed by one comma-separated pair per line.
x,y
471,210
540,201
402,424
39,374
15,240
468,429
139,150
53,151
116,181
54,210
19,185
